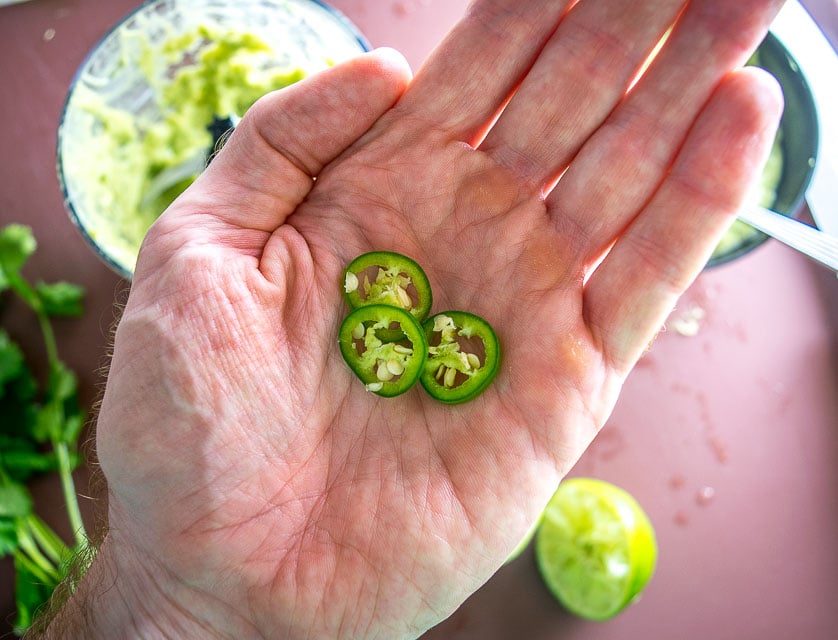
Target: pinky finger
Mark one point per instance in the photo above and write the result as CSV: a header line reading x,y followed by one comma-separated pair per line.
x,y
663,250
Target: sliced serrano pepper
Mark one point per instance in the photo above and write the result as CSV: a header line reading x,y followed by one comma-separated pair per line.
x,y
384,277
384,346
463,356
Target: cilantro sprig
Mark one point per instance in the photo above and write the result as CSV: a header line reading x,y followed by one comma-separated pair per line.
x,y
40,425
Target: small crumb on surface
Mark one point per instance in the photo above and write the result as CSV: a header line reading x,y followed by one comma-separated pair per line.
x,y
677,482
688,322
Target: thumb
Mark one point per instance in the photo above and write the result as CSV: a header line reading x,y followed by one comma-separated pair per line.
x,y
265,169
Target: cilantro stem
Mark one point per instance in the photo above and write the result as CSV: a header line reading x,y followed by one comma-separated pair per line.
x,y
49,337
35,560
62,452
30,297
47,576
46,538
65,471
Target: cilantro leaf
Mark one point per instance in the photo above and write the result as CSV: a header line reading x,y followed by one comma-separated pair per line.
x,y
17,243
15,501
63,383
11,359
8,536
61,298
59,419
17,405
31,592
20,458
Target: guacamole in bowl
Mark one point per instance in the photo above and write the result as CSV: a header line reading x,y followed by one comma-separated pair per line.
x,y
144,100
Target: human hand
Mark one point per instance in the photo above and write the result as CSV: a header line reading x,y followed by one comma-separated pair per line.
x,y
256,489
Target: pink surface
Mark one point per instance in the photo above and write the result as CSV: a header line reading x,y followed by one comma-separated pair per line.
x,y
729,438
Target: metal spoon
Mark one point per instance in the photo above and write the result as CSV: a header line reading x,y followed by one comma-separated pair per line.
x,y
814,243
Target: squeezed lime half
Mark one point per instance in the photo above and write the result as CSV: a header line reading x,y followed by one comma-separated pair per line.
x,y
595,548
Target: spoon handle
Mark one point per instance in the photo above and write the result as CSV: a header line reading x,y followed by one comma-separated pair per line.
x,y
821,247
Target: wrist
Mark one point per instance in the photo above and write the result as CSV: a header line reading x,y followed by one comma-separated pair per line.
x,y
123,596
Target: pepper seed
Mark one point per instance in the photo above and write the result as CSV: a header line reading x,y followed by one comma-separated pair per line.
x,y
383,372
450,375
395,367
350,282
358,331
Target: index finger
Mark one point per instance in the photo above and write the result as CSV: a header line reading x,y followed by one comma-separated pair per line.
x,y
470,75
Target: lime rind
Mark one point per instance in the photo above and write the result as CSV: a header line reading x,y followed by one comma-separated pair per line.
x,y
595,548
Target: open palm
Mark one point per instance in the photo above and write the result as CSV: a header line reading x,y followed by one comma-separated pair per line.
x,y
262,489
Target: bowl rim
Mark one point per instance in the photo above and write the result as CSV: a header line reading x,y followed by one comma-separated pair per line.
x,y
340,18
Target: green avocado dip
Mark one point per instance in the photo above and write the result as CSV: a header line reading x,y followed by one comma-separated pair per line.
x,y
150,109
194,77
230,73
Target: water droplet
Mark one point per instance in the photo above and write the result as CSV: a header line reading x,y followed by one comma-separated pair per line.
x,y
719,448
677,482
403,9
681,518
609,443
705,496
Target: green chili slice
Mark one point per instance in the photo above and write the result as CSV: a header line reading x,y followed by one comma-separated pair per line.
x,y
386,367
384,277
463,356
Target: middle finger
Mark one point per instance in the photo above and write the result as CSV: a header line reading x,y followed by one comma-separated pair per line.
x,y
579,77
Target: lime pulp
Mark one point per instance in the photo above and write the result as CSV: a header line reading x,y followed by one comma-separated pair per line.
x,y
595,548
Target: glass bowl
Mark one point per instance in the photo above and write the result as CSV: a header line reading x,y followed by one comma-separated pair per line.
x,y
784,182
144,99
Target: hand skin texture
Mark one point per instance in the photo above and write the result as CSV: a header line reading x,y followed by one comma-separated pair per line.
x,y
256,490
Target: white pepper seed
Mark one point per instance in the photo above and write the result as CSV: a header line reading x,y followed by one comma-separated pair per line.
x,y
350,282
404,298
395,367
358,331
383,372
450,375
